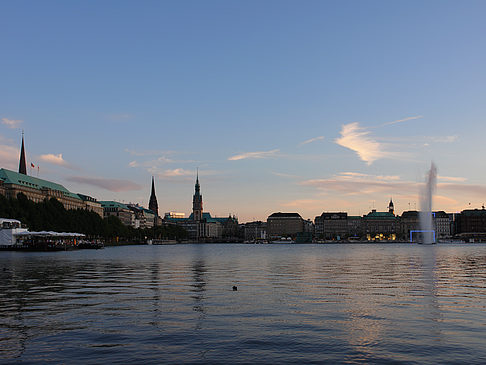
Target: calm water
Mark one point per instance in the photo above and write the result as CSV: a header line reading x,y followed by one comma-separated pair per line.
x,y
295,303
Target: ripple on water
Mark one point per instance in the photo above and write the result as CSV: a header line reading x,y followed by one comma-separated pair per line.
x,y
295,303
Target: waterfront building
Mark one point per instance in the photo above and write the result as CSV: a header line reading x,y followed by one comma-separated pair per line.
x,y
284,225
120,210
442,224
12,183
381,225
92,204
331,226
409,221
255,231
200,225
174,215
355,226
37,189
144,218
471,224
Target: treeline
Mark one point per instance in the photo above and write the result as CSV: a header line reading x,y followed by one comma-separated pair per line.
x,y
50,215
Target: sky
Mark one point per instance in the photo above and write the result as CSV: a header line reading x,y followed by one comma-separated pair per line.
x,y
290,106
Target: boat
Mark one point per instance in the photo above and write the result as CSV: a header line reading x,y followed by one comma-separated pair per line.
x,y
14,237
9,228
157,241
283,240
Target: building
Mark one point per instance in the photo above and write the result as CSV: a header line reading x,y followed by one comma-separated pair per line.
x,y
255,231
153,205
331,226
144,218
381,226
284,225
169,215
442,224
119,210
471,224
92,204
200,225
409,221
37,190
355,226
197,203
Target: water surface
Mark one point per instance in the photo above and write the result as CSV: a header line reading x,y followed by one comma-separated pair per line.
x,y
375,303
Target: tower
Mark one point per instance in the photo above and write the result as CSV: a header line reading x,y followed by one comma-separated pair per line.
x,y
391,208
153,206
197,204
22,164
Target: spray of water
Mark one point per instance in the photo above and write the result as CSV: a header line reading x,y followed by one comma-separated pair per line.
x,y
426,222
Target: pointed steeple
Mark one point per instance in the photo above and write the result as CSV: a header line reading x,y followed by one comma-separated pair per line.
x,y
391,208
197,204
153,205
22,164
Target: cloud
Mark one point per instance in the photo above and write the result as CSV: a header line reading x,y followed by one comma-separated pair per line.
x,y
261,154
312,140
114,185
304,203
358,140
402,120
451,178
356,183
11,123
148,152
281,174
444,139
176,173
54,159
464,189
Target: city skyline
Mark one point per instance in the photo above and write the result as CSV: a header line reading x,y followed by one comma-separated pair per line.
x,y
282,106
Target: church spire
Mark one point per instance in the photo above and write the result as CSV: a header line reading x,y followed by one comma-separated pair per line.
x,y
391,208
197,204
153,205
22,164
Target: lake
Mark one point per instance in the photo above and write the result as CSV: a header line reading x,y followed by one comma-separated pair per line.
x,y
334,303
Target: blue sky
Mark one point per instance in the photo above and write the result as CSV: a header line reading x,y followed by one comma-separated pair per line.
x,y
282,105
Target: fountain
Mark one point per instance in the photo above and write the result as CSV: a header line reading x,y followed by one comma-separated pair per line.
x,y
426,222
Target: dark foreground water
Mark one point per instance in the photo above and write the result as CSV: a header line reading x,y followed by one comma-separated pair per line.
x,y
396,303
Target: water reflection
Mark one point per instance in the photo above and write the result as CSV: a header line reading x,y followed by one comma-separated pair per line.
x,y
310,303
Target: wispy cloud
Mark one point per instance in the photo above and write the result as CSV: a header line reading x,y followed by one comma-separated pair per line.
x,y
114,185
11,123
403,120
176,173
55,159
444,139
303,203
356,183
142,153
358,139
451,178
249,155
320,138
281,174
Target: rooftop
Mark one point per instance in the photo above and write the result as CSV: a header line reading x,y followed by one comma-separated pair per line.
x,y
12,177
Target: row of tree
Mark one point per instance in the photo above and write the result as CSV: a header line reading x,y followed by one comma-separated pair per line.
x,y
50,215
